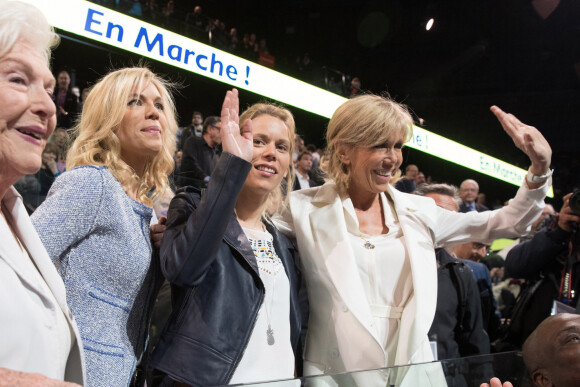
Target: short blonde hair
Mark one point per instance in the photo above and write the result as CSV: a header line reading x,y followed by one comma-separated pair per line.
x,y
22,22
284,115
364,121
103,111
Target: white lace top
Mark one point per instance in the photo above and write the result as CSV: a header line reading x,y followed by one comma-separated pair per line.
x,y
269,354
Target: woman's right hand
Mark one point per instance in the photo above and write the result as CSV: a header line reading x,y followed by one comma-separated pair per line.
x,y
232,140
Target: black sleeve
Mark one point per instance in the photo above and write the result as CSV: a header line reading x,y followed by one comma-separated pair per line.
x,y
195,231
473,340
527,259
191,172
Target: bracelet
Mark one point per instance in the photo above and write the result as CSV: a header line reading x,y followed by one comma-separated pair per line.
x,y
539,178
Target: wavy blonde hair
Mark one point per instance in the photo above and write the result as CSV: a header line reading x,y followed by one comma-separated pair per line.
x,y
364,121
103,111
276,197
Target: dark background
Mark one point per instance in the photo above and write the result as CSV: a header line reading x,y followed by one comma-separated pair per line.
x,y
478,53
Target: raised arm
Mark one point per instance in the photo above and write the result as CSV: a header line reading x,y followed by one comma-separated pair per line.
x,y
530,141
196,227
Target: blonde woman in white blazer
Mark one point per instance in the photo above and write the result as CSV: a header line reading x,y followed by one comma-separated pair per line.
x,y
368,249
39,340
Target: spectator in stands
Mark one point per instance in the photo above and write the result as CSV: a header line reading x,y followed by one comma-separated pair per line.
x,y
471,253
298,147
61,139
407,184
550,261
386,308
420,178
468,192
355,90
235,288
48,170
315,155
233,41
168,15
40,342
458,323
84,94
67,104
135,9
201,154
194,129
199,23
95,222
551,353
304,176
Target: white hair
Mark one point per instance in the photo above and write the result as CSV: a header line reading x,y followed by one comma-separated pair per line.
x,y
24,22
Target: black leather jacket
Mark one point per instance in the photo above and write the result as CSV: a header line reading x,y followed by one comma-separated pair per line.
x,y
216,287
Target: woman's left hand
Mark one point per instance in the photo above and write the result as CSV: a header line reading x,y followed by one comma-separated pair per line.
x,y
528,139
232,140
495,382
156,232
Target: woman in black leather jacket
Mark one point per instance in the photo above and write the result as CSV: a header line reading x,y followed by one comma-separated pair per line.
x,y
236,317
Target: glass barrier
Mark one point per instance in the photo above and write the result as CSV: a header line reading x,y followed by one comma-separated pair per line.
x,y
463,372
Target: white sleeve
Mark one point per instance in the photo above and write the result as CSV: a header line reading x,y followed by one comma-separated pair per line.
x,y
513,220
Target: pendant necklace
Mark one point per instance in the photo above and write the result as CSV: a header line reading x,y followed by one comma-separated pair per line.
x,y
367,245
270,332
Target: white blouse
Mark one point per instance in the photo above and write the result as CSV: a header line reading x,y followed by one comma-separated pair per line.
x,y
42,326
269,354
385,272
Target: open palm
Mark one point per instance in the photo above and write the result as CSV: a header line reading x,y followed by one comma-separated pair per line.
x,y
239,143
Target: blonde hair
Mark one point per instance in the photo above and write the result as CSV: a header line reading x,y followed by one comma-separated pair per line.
x,y
103,111
22,22
276,197
364,121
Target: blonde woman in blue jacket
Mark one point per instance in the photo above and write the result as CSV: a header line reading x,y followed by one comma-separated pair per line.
x,y
95,221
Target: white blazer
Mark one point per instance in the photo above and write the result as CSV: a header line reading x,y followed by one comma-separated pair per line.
x,y
340,330
16,282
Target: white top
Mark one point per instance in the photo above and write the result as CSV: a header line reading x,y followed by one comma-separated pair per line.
x,y
303,181
269,354
385,272
48,338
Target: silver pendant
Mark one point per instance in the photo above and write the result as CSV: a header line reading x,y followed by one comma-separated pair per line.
x,y
368,245
270,335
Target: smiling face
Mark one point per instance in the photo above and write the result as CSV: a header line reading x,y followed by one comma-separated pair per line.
x,y
371,169
141,130
27,117
271,158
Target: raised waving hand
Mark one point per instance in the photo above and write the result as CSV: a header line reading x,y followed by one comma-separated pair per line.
x,y
234,141
528,139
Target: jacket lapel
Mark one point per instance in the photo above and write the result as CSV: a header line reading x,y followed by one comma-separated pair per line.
x,y
237,239
329,229
31,241
418,314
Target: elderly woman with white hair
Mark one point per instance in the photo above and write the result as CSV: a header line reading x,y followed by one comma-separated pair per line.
x,y
40,341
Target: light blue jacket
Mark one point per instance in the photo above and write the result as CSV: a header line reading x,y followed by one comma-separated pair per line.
x,y
98,238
